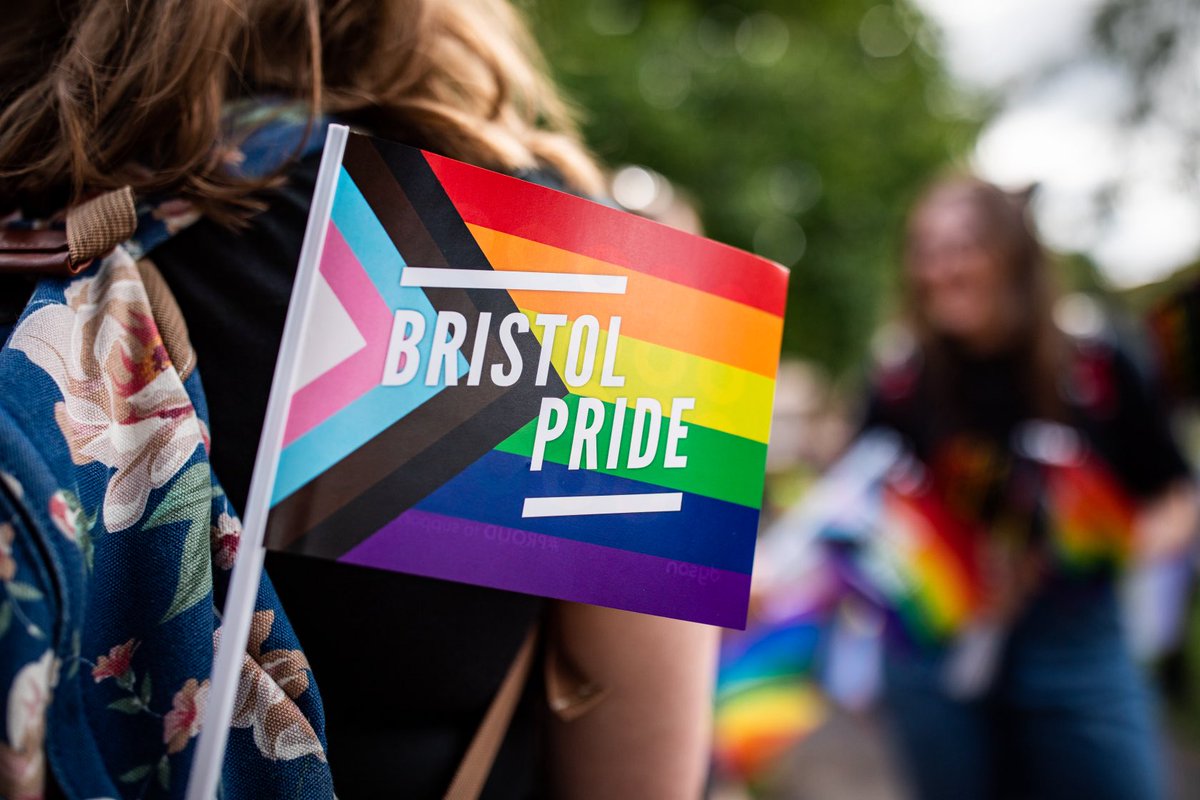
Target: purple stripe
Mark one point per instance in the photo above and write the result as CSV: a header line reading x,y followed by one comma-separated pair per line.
x,y
438,546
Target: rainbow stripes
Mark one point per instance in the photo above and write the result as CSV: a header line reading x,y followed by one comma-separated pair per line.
x,y
767,698
1091,517
920,564
936,555
762,723
432,479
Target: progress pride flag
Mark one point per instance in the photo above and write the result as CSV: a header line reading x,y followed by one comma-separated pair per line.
x,y
497,383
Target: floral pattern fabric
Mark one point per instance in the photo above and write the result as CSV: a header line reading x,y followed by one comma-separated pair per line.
x,y
115,545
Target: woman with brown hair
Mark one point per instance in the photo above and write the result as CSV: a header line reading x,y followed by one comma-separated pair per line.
x,y
1038,697
160,95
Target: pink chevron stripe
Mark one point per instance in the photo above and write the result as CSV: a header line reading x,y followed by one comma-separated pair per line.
x,y
357,375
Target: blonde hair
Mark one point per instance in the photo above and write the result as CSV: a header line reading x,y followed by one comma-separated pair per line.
x,y
96,94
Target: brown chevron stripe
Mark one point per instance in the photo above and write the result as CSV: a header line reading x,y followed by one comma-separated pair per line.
x,y
422,474
381,189
395,449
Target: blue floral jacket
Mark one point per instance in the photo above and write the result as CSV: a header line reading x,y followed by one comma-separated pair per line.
x,y
116,543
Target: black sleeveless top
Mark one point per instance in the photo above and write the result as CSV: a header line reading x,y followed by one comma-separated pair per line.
x,y
406,666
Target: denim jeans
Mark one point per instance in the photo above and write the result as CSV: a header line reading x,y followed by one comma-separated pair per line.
x,y
1067,716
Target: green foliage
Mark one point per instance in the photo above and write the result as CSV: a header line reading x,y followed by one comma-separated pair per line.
x,y
791,139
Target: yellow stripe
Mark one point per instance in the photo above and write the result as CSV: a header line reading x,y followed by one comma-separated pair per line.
x,y
728,399
791,709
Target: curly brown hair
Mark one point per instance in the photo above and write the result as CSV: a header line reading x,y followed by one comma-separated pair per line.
x,y
98,94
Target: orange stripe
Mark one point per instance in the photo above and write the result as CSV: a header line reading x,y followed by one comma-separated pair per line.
x,y
652,309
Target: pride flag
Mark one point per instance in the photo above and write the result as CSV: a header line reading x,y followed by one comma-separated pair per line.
x,y
921,562
768,698
936,554
918,562
1091,516
502,384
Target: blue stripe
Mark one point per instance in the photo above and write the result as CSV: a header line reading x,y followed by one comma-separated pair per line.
x,y
345,432
705,531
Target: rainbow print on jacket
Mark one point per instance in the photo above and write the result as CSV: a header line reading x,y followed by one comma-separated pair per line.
x,y
502,384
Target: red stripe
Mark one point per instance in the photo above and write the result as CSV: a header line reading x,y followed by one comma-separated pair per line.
x,y
551,217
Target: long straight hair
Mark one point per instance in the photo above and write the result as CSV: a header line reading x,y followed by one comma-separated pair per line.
x,y
97,94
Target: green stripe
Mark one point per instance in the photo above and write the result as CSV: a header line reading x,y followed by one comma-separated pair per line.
x,y
720,465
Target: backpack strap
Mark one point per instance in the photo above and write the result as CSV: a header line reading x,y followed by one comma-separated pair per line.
x,y
91,230
169,318
97,226
569,691
1091,382
34,252
477,763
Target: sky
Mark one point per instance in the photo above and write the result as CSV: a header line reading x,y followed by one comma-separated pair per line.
x,y
1065,132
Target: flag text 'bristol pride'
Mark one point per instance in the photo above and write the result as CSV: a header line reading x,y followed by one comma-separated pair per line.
x,y
448,337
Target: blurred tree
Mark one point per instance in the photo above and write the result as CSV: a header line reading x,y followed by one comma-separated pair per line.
x,y
802,131
1155,43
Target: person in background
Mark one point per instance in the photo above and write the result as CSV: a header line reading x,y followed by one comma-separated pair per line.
x,y
98,94
1063,711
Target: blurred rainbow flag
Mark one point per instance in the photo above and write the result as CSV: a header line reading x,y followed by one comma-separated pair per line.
x,y
767,699
907,556
1090,515
919,563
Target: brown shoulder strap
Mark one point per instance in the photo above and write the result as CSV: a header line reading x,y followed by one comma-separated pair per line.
x,y
477,763
100,224
167,316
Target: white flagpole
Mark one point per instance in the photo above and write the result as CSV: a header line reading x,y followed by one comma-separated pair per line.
x,y
247,569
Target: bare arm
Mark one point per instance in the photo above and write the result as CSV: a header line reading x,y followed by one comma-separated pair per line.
x,y
1166,526
650,736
